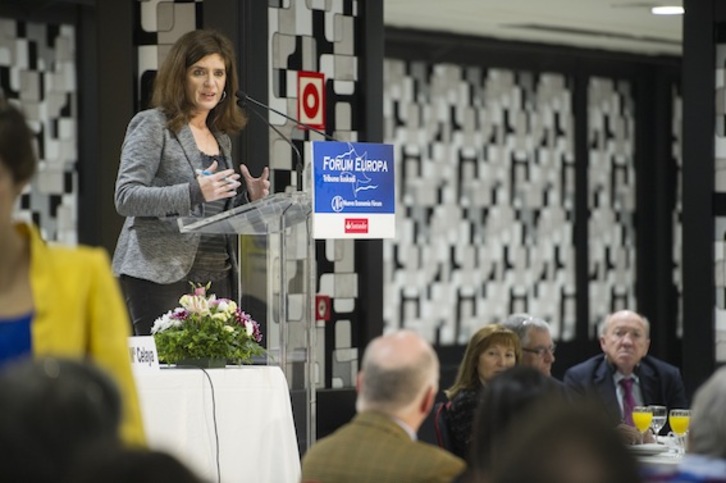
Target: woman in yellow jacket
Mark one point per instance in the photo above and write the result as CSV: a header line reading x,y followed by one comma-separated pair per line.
x,y
55,300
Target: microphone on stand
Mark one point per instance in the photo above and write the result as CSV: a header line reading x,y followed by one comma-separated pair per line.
x,y
242,102
244,98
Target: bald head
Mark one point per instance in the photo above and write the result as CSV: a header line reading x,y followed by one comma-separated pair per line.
x,y
397,369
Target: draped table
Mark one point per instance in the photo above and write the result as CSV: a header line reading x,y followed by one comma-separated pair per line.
x,y
655,466
253,438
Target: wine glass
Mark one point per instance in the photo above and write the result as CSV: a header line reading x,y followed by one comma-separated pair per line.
x,y
679,419
642,417
660,414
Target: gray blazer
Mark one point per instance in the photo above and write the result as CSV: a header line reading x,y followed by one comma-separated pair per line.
x,y
156,184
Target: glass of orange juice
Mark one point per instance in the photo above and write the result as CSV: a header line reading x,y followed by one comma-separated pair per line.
x,y
679,419
642,417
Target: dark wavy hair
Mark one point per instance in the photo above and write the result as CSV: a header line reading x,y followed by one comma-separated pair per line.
x,y
170,85
50,409
16,143
564,443
508,397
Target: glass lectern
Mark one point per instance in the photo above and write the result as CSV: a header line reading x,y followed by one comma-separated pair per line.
x,y
277,287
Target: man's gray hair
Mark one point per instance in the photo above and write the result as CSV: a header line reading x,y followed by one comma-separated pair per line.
x,y
390,387
707,431
521,324
605,323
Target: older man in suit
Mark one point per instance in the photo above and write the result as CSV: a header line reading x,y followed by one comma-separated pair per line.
x,y
396,389
624,376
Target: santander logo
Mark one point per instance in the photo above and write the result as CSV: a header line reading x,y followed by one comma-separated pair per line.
x,y
356,225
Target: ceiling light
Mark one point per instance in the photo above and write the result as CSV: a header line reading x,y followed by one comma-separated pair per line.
x,y
667,10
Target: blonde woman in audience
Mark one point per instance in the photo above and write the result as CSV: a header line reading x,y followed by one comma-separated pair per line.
x,y
56,300
491,350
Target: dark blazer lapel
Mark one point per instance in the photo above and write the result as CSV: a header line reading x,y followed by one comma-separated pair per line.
x,y
603,381
648,382
224,150
189,146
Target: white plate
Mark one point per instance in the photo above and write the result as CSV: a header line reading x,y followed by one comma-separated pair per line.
x,y
648,449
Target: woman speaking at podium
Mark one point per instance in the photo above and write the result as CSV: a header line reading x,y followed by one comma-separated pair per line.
x,y
176,161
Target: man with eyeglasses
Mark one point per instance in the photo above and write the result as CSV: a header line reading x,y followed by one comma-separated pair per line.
x,y
538,350
625,376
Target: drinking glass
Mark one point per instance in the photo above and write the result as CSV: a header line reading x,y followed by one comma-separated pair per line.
x,y
642,417
679,419
660,414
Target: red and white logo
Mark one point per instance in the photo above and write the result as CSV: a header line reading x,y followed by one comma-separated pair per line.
x,y
356,225
311,99
322,307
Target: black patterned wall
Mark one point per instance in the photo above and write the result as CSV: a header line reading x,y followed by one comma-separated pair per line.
x,y
720,188
676,215
611,198
321,36
486,184
158,24
38,74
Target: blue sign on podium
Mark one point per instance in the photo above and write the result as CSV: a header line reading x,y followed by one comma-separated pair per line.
x,y
354,190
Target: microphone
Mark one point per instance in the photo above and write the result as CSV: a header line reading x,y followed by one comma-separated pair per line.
x,y
242,102
244,98
298,156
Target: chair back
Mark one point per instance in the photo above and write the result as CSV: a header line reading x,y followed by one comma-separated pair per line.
x,y
441,424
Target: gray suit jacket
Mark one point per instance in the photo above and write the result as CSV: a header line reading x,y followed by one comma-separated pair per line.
x,y
153,188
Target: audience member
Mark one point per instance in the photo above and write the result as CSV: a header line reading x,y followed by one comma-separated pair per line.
x,y
705,460
491,350
56,300
538,350
116,464
51,410
396,386
624,376
508,398
563,444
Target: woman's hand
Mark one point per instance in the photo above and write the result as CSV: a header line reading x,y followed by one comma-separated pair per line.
x,y
217,186
256,187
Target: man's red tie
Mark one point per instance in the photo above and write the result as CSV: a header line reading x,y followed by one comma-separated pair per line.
x,y
628,400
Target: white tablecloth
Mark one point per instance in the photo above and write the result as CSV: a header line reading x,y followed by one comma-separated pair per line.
x,y
665,463
257,440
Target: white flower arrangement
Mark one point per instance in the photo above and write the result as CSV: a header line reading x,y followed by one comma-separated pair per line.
x,y
206,328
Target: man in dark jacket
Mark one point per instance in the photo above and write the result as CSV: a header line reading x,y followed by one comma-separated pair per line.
x,y
624,376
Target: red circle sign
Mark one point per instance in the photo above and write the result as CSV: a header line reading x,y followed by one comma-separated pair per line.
x,y
322,309
311,100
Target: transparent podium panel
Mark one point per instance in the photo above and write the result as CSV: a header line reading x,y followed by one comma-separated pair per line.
x,y
277,279
268,215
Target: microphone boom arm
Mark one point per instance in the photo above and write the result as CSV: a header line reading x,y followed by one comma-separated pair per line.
x,y
298,155
243,98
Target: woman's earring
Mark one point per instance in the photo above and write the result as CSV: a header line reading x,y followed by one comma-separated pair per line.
x,y
224,96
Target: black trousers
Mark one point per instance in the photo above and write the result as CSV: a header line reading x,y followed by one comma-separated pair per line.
x,y
147,301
